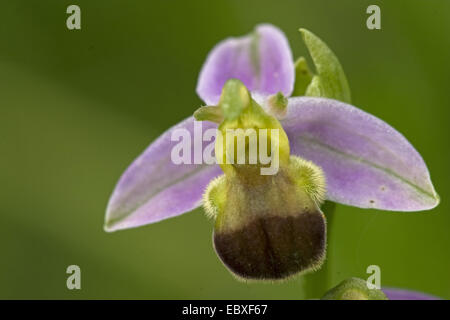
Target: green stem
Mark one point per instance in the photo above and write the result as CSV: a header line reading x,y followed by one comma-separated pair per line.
x,y
316,284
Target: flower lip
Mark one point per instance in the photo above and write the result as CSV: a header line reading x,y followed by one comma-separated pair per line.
x,y
274,247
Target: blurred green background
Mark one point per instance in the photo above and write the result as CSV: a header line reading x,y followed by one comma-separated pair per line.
x,y
78,106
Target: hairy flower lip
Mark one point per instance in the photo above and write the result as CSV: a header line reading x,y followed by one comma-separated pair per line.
x,y
153,189
267,248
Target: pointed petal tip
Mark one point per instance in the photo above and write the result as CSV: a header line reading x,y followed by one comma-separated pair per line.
x,y
436,200
107,227
111,224
304,33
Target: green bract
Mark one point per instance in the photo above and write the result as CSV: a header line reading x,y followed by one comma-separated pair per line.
x,y
330,81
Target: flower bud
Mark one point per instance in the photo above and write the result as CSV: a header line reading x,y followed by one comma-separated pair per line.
x,y
354,289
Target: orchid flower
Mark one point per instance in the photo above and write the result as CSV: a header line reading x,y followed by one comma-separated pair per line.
x,y
271,227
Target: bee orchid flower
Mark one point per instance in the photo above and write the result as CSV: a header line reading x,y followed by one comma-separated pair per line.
x,y
271,226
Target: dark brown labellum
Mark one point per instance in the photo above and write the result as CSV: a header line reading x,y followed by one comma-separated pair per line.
x,y
274,247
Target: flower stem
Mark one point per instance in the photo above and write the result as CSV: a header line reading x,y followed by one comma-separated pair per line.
x,y
316,284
